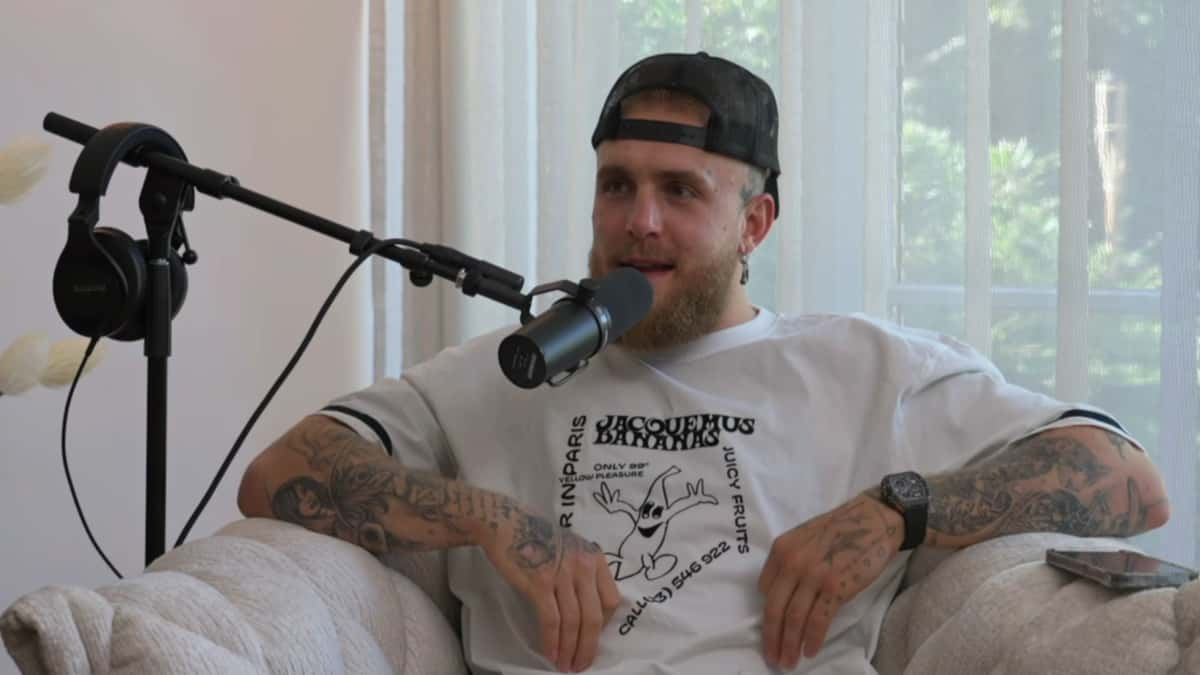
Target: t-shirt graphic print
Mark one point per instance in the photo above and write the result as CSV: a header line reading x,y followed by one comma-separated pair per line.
x,y
663,499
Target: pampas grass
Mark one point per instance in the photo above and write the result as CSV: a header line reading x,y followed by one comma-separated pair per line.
x,y
32,359
22,364
65,356
22,164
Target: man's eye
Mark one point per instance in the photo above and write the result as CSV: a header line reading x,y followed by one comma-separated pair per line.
x,y
682,190
614,186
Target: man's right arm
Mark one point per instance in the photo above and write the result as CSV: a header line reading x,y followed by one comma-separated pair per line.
x,y
325,477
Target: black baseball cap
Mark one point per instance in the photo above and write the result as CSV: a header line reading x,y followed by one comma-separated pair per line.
x,y
743,120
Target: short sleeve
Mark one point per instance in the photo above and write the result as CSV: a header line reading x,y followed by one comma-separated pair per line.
x,y
393,413
962,411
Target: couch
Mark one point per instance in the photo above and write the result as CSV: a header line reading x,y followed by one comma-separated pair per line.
x,y
262,596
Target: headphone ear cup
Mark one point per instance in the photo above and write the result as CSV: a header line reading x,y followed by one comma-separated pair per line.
x,y
136,328
97,294
132,261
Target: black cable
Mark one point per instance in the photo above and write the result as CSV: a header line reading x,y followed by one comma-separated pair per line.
x,y
67,469
287,370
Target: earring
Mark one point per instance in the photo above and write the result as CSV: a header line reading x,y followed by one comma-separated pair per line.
x,y
745,269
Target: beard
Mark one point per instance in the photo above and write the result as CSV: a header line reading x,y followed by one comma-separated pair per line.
x,y
693,307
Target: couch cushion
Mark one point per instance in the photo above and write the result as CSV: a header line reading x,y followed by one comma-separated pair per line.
x,y
260,596
996,607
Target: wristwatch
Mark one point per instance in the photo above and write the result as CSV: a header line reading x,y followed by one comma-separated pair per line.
x,y
908,493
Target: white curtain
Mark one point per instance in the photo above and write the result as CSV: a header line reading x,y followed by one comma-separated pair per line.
x,y
1022,174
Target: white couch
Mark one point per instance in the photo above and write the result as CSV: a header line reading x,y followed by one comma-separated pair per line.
x,y
262,596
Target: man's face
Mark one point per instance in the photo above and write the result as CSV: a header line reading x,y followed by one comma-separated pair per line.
x,y
675,213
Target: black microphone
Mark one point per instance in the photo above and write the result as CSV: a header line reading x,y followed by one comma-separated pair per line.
x,y
575,329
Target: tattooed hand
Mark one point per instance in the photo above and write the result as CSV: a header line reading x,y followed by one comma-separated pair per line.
x,y
816,568
565,578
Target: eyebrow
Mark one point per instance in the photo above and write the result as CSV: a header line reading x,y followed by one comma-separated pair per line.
x,y
683,175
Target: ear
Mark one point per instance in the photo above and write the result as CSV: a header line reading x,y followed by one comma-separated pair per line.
x,y
759,216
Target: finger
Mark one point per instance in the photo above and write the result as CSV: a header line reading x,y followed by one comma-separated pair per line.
x,y
769,572
548,620
794,620
591,619
779,594
568,625
610,595
824,608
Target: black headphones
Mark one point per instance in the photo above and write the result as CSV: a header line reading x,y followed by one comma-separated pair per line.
x,y
100,280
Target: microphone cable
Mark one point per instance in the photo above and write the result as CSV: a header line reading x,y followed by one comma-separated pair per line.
x,y
67,468
241,438
287,370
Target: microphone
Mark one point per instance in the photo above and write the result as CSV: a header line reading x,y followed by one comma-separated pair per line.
x,y
576,328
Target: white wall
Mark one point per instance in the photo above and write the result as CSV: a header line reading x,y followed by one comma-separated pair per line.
x,y
269,91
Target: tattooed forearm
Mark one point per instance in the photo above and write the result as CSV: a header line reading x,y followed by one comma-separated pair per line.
x,y
351,491
1062,511
1046,483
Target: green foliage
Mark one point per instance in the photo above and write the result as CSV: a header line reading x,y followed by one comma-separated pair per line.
x,y
740,30
744,31
932,205
1024,218
650,26
1123,351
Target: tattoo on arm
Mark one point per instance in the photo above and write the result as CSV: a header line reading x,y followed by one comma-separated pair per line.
x,y
535,543
1119,443
1042,484
538,543
355,493
859,532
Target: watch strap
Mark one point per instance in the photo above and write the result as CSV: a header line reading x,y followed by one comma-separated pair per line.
x,y
915,513
915,522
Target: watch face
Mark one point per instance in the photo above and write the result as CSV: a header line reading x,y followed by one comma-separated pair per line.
x,y
908,487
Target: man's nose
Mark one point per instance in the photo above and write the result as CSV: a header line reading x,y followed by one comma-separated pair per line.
x,y
645,216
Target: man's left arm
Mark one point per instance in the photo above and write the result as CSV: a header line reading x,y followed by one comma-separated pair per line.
x,y
1080,480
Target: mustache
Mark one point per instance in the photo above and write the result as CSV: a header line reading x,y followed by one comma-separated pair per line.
x,y
640,251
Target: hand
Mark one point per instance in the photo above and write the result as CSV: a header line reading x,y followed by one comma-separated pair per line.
x,y
816,568
565,578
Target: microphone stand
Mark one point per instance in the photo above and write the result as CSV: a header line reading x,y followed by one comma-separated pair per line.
x,y
162,198
164,194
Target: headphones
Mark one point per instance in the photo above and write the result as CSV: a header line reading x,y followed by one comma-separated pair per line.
x,y
100,280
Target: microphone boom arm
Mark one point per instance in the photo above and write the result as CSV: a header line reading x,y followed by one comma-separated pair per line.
x,y
473,277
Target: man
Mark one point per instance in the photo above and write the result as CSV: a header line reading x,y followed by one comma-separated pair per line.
x,y
726,490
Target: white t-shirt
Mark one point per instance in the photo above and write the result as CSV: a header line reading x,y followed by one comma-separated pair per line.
x,y
686,465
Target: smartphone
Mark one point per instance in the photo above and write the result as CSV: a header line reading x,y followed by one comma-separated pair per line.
x,y
1121,570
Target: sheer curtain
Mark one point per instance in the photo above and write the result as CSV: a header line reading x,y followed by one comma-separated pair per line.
x,y
1022,174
